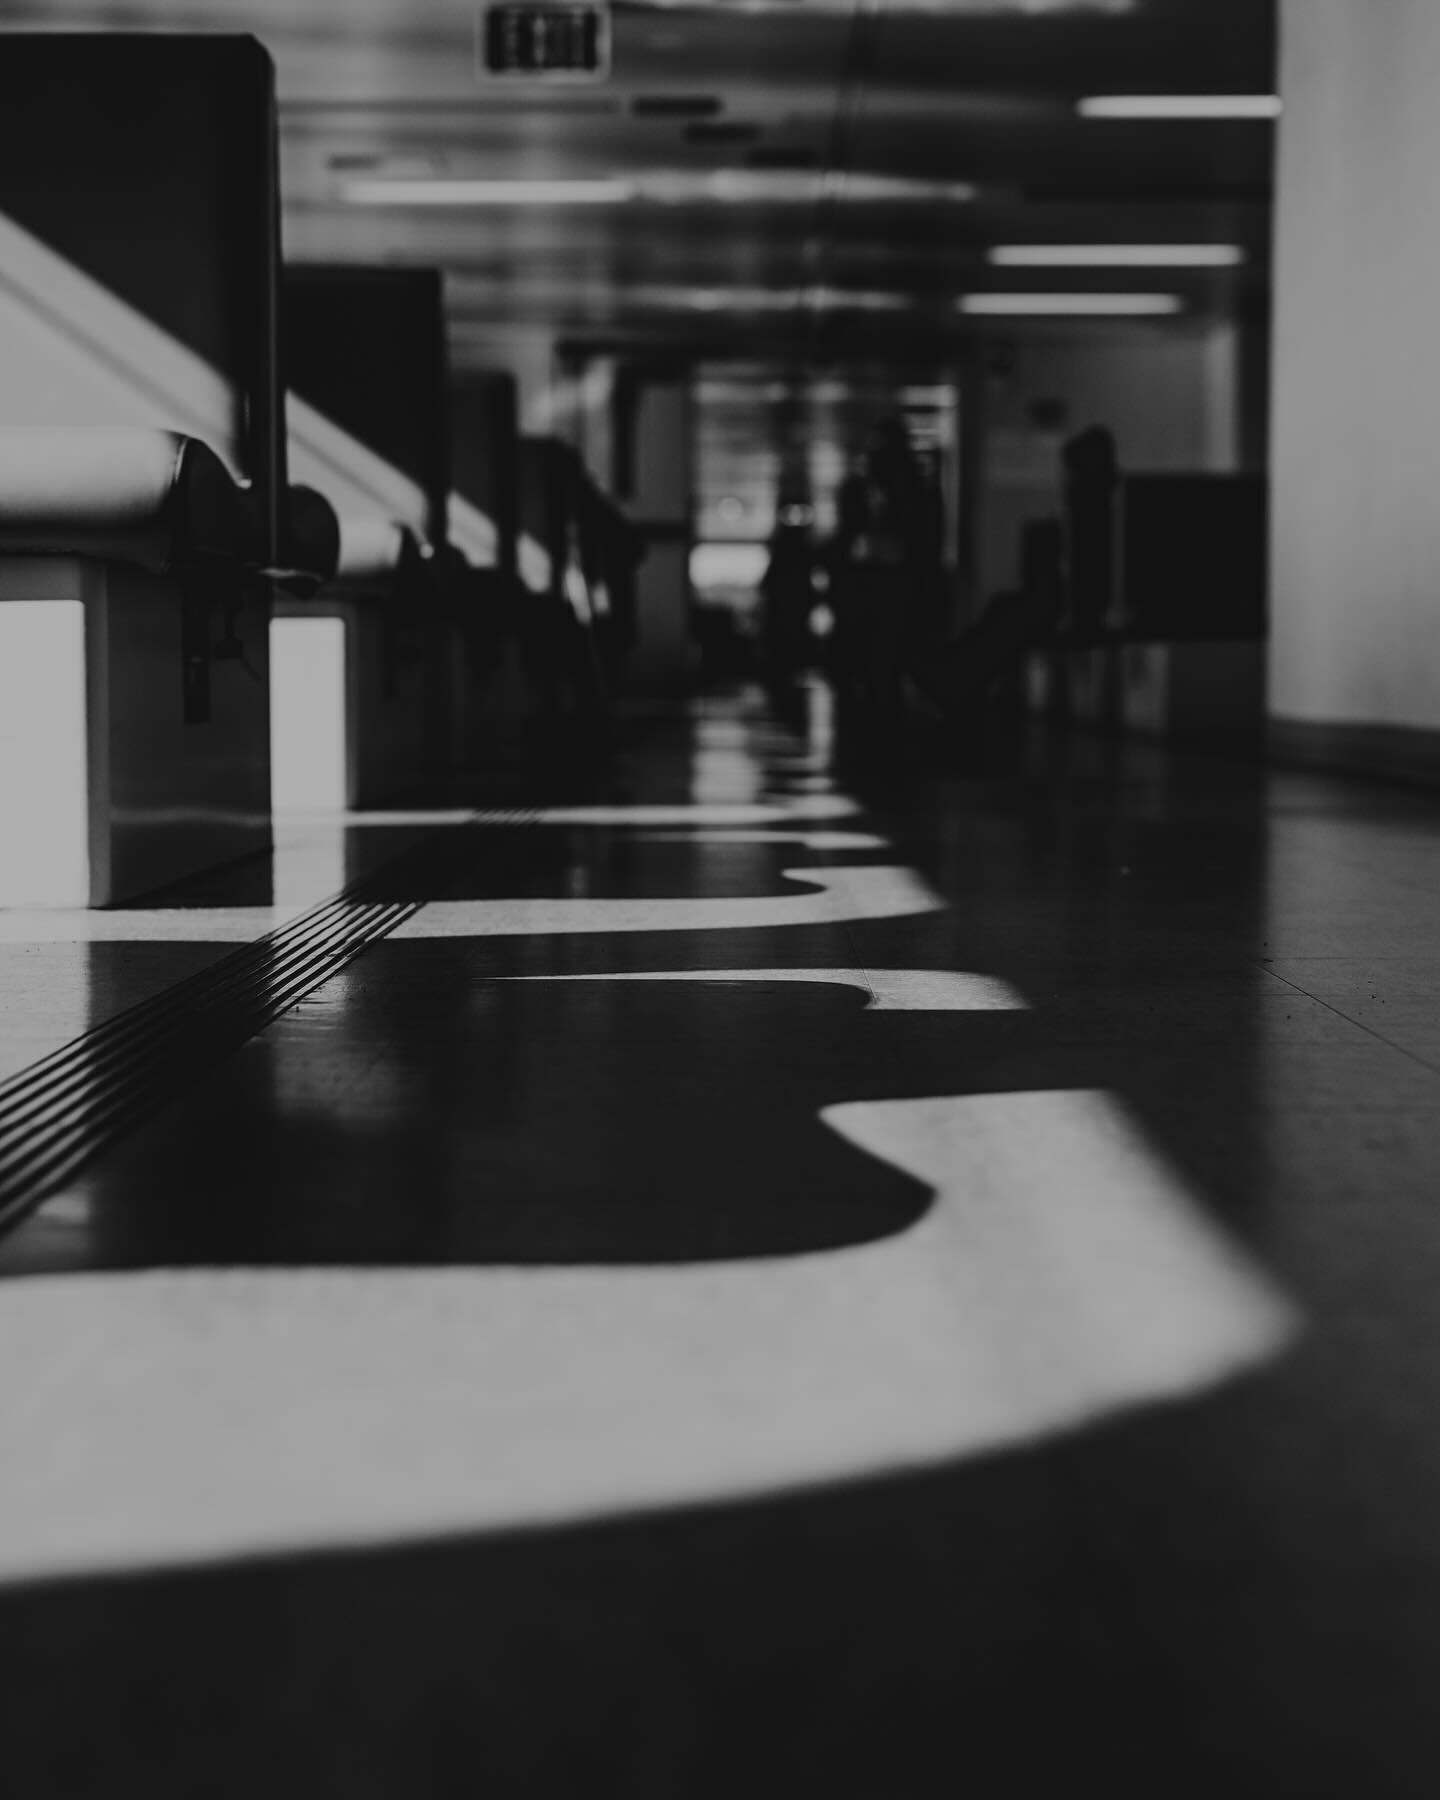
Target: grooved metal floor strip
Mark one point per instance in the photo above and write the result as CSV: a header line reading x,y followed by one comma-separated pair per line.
x,y
63,1111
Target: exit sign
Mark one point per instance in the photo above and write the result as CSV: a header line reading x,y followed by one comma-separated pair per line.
x,y
538,42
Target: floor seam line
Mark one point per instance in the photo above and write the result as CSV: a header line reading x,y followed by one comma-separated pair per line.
x,y
1358,1024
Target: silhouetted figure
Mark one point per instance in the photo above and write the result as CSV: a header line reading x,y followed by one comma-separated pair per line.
x,y
787,596
884,572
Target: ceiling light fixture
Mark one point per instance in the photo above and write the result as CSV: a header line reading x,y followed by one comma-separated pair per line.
x,y
601,192
676,187
1116,256
829,299
1068,305
767,300
780,187
1180,106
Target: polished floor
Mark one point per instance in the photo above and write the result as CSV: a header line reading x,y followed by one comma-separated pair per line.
x,y
761,1283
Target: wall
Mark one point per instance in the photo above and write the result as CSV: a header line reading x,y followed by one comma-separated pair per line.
x,y
1170,395
1355,553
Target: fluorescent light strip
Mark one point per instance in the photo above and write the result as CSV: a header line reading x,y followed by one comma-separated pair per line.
x,y
756,299
828,299
718,300
1180,106
489,193
1117,256
1071,305
780,187
752,187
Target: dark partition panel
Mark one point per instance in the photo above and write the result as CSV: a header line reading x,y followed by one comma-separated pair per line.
x,y
148,162
485,452
366,347
1193,555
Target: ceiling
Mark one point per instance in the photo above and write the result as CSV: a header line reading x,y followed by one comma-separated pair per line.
x,y
944,128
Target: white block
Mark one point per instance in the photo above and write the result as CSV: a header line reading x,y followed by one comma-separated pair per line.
x,y
107,790
308,740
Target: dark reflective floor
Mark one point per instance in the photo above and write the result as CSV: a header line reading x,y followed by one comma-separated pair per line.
x,y
1024,1234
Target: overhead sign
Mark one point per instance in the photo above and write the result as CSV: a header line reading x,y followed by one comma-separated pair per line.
x,y
535,41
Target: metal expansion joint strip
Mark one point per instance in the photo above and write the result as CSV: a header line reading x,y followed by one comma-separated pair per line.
x,y
62,1112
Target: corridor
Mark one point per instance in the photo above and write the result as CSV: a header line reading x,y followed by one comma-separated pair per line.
x,y
750,1283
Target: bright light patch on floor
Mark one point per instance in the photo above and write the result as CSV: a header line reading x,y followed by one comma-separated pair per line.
x,y
887,990
377,818
711,813
809,840
44,819
141,925
307,714
833,896
1062,1276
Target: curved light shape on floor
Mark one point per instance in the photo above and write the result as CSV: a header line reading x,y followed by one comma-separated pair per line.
x,y
888,990
703,813
810,840
836,896
1061,1277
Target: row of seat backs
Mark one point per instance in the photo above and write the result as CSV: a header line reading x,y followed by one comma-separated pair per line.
x,y
366,347
1158,555
484,440
1193,555
143,171
149,163
564,509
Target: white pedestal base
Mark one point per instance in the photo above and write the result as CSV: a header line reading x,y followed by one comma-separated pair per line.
x,y
348,725
106,791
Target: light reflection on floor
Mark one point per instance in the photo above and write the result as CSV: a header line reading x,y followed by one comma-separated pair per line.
x,y
835,895
166,1417
887,990
1062,1274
